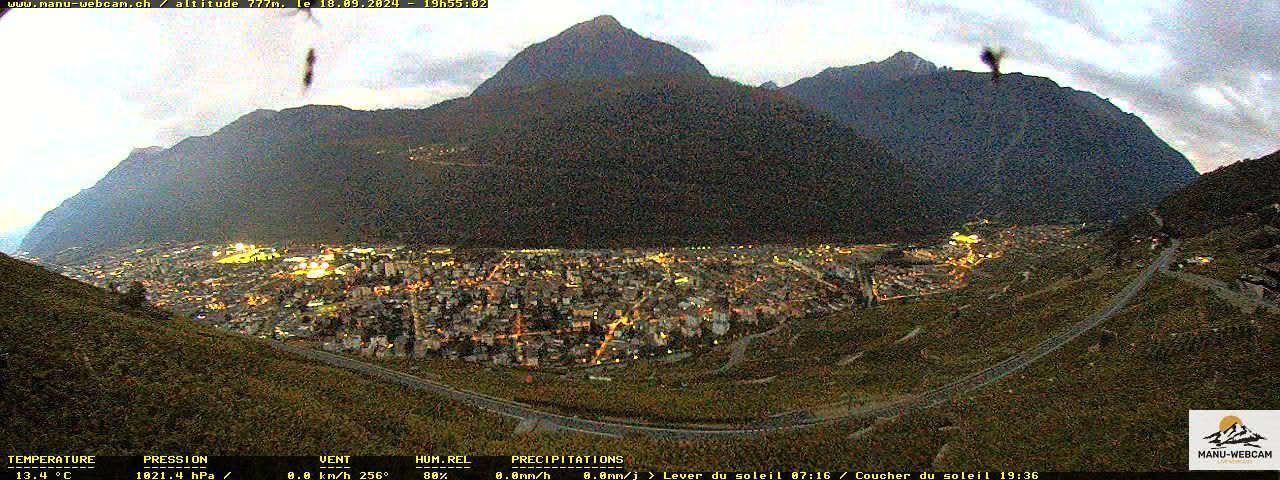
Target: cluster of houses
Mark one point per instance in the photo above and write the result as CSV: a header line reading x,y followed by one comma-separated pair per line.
x,y
533,307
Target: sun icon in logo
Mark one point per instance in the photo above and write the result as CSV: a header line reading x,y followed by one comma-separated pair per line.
x,y
1228,421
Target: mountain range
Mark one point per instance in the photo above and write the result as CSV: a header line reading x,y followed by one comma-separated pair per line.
x,y
635,160
1025,149
599,136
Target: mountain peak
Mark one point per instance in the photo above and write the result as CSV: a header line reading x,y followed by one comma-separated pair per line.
x,y
911,62
603,29
601,23
597,49
900,65
905,56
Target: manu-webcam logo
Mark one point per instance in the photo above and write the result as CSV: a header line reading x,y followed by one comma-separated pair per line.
x,y
1233,439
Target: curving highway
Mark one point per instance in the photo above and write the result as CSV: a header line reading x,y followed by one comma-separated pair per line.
x,y
793,420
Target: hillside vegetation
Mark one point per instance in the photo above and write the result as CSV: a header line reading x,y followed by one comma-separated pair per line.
x,y
1025,150
1221,197
86,375
1115,399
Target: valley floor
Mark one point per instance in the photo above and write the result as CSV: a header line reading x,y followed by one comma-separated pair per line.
x,y
84,376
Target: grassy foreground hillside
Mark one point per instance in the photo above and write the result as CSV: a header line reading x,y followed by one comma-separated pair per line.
x,y
1115,399
85,375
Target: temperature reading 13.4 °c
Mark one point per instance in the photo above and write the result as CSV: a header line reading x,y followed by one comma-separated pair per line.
x,y
45,475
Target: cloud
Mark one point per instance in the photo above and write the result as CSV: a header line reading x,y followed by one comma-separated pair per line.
x,y
1079,13
419,68
92,86
1213,100
197,84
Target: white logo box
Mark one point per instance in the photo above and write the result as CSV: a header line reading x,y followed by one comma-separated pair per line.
x,y
1251,443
